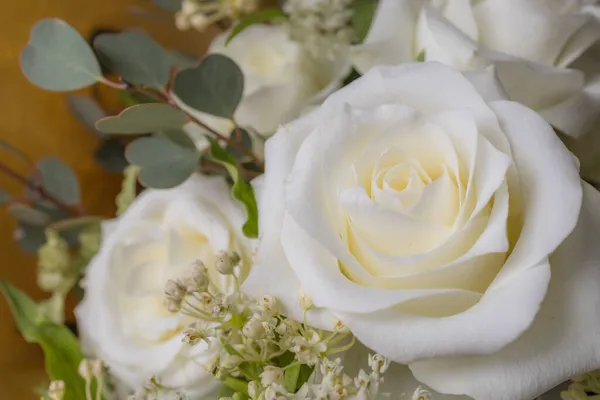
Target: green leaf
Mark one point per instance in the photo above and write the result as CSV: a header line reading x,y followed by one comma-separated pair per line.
x,y
143,118
163,163
168,5
254,18
58,58
241,190
242,138
133,98
30,237
304,375
61,348
351,77
214,87
237,385
183,60
179,137
136,57
111,155
226,391
24,310
59,180
28,215
5,197
87,111
364,10
421,56
291,378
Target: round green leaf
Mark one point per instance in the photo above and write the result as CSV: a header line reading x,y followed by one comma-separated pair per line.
x,y
58,58
214,87
28,215
164,164
87,111
111,155
143,118
136,57
59,180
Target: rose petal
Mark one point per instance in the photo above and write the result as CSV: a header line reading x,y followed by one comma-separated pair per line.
x,y
564,334
550,185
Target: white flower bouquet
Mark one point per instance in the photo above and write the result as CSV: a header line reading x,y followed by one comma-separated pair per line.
x,y
406,186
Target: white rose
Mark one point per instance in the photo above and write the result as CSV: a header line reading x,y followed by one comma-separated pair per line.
x,y
281,79
447,233
122,318
540,49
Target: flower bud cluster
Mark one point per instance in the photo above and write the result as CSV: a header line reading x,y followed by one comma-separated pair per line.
x,y
154,390
324,27
200,14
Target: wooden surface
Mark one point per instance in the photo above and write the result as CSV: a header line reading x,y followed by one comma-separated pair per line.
x,y
39,123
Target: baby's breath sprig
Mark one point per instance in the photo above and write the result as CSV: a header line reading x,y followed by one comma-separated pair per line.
x,y
259,353
200,14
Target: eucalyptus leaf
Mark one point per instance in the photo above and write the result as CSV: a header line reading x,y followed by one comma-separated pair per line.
x,y
62,352
87,111
364,11
136,57
183,60
254,18
168,5
143,118
214,87
241,190
58,58
59,180
111,155
180,137
163,164
5,197
133,98
242,138
28,215
30,237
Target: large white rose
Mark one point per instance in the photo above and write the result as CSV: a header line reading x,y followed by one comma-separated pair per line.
x,y
541,49
281,79
122,318
447,233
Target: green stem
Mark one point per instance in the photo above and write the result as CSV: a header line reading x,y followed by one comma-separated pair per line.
x,y
237,385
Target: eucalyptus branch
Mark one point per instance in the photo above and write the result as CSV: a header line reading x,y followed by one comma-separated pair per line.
x,y
37,188
165,98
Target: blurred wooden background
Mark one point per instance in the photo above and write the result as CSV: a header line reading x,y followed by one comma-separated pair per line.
x,y
40,124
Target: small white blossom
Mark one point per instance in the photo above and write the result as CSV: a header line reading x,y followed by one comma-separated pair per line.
x,y
56,390
226,262
253,329
254,390
268,304
89,369
378,363
305,301
271,375
421,394
308,349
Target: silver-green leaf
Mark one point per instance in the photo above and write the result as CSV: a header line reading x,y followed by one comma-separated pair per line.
x,y
136,57
214,87
164,164
143,118
28,215
86,110
58,58
59,180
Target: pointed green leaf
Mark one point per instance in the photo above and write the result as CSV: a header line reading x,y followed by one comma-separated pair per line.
x,y
61,348
143,118
254,18
28,215
214,87
59,180
136,57
87,111
364,11
58,58
241,191
24,310
163,164
291,378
